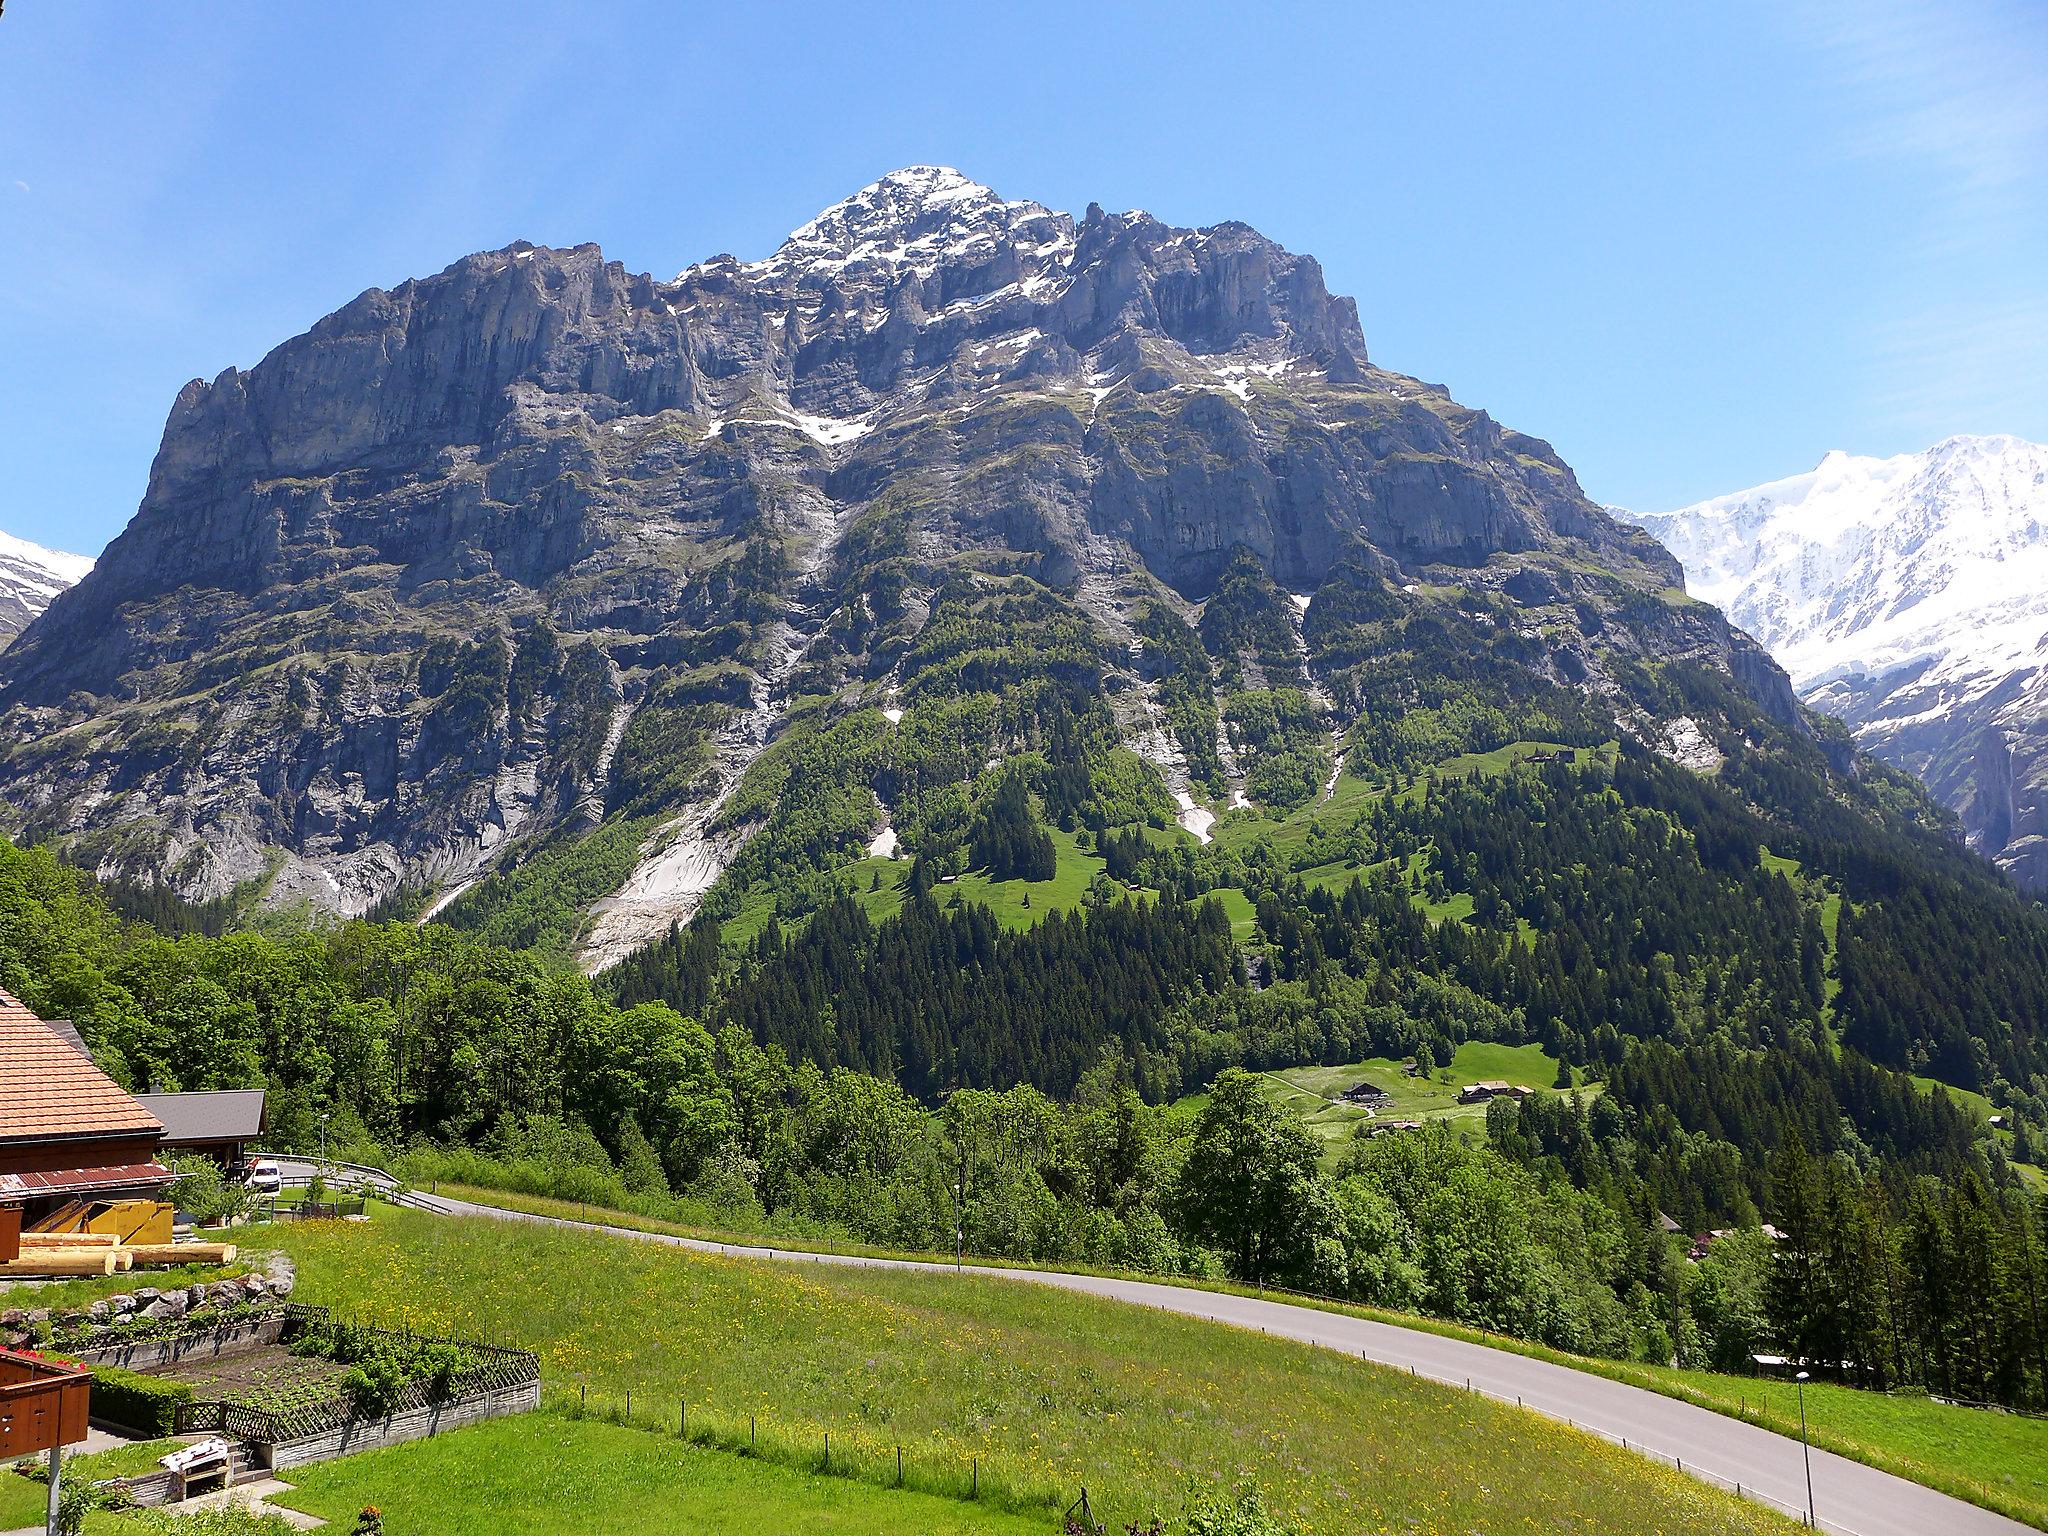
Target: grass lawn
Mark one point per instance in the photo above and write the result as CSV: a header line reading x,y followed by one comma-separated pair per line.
x,y
1237,906
1046,1389
1287,836
545,1473
23,1502
1969,1103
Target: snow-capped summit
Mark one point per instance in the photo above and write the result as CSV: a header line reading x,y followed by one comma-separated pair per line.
x,y
915,220
1908,595
1866,564
30,579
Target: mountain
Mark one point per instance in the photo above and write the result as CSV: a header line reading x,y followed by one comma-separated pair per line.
x,y
536,545
1909,597
30,577
971,647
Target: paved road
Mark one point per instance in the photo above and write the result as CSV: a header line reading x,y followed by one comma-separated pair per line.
x,y
1848,1496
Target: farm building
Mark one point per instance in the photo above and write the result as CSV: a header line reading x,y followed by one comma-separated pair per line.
x,y
220,1124
1367,1093
69,1134
1479,1093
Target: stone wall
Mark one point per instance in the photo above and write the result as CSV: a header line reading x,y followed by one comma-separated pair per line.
x,y
234,1338
412,1424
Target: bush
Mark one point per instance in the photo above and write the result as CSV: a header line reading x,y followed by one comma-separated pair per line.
x,y
375,1385
234,1520
203,1192
147,1405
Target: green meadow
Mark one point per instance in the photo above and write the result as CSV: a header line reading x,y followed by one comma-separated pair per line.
x,y
1024,1393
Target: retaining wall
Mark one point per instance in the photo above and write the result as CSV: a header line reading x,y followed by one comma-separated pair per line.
x,y
413,1424
151,1354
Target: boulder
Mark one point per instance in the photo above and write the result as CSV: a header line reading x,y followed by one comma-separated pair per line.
x,y
166,1307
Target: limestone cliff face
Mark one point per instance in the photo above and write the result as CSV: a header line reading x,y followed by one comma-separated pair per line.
x,y
538,541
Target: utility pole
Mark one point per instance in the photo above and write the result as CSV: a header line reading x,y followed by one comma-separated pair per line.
x,y
1805,1451
960,1213
56,1492
323,1141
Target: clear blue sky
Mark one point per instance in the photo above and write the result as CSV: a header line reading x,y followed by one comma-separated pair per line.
x,y
1695,246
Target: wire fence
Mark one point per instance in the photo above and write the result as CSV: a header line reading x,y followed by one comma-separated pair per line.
x,y
847,1452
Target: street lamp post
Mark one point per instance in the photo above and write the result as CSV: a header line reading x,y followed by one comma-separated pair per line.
x,y
1805,1451
323,1141
960,1212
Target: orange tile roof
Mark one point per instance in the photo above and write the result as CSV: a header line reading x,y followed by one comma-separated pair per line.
x,y
49,1092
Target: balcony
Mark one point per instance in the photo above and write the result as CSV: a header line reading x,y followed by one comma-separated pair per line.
x,y
42,1403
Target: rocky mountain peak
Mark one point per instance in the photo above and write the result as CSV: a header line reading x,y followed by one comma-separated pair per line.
x,y
918,219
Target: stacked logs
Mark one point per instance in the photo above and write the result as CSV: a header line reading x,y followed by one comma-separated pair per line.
x,y
63,1255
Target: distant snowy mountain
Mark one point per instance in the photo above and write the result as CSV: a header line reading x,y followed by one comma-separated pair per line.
x,y
30,578
1909,596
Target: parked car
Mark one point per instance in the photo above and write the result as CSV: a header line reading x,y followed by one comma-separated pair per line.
x,y
265,1177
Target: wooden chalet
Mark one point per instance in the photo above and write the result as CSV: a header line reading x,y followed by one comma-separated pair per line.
x,y
70,1136
219,1123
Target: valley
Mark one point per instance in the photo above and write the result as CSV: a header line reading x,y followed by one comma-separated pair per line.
x,y
997,733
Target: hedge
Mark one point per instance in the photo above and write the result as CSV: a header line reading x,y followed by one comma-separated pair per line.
x,y
147,1405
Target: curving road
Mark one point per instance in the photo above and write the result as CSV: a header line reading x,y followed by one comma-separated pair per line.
x,y
1848,1496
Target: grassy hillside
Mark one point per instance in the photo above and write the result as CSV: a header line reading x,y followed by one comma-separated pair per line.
x,y
1316,1093
1048,1391
1016,903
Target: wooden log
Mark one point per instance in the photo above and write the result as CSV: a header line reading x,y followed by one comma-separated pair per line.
x,y
124,1260
70,1240
157,1255
58,1263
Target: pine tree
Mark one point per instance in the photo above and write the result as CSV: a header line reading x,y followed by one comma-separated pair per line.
x,y
639,1166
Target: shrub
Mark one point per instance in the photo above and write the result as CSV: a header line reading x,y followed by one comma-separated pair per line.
x,y
233,1520
1239,1513
147,1405
202,1191
374,1385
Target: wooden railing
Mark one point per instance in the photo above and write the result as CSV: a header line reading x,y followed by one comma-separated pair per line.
x,y
486,1368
